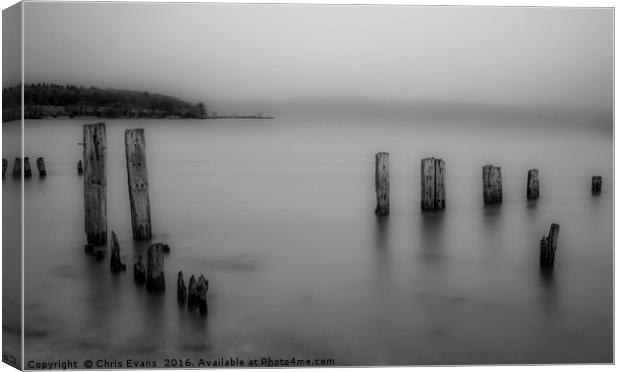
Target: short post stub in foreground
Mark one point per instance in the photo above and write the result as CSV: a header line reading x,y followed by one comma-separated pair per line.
x,y
27,169
17,168
115,257
432,184
155,281
5,164
548,245
137,179
192,294
181,289
382,183
79,168
492,184
533,191
41,167
203,287
95,209
597,184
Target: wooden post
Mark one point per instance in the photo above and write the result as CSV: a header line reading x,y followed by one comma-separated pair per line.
x,y
492,184
597,183
41,167
433,188
181,290
203,287
155,281
139,271
17,168
79,168
5,164
548,245
532,184
192,294
115,258
95,209
382,183
27,169
138,182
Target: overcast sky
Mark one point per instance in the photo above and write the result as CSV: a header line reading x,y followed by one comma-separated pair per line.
x,y
505,55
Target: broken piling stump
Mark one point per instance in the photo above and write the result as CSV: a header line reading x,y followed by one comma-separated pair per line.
x,y
382,183
137,179
17,168
203,287
432,178
139,271
115,257
27,169
5,164
532,192
548,245
95,183
79,168
492,184
181,289
41,167
192,294
155,268
597,183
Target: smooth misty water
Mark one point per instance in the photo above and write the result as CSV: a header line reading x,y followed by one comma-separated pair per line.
x,y
279,216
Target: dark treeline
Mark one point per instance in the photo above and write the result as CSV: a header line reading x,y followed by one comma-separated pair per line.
x,y
54,100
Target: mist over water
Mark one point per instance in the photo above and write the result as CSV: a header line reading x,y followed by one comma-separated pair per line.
x,y
278,215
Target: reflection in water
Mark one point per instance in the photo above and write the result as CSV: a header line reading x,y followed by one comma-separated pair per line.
x,y
432,235
548,289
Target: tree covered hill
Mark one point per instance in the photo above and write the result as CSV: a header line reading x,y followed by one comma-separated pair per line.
x,y
54,100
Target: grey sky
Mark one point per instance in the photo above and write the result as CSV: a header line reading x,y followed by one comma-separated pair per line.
x,y
542,56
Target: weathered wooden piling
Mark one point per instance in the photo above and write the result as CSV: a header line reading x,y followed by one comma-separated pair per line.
x,y
139,271
203,287
432,182
548,245
597,183
137,179
5,164
41,167
192,294
155,268
492,184
27,169
382,183
95,183
181,289
533,190
79,167
17,168
115,257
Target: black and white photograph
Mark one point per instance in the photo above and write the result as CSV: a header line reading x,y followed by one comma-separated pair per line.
x,y
214,185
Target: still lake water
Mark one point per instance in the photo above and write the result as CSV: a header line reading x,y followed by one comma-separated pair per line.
x,y
278,215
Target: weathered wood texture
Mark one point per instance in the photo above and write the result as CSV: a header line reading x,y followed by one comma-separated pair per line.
x,y
5,164
492,184
138,183
155,281
79,168
382,183
203,287
432,184
597,184
41,167
95,209
533,188
115,257
192,294
548,246
139,271
27,168
17,168
181,289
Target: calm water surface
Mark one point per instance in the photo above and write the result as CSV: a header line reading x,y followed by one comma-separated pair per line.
x,y
278,215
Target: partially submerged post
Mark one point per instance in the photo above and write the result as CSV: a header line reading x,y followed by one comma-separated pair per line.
x,y
95,183
79,167
17,168
382,183
548,245
532,184
597,183
492,184
203,287
432,184
139,271
5,164
41,167
155,268
115,258
27,169
192,294
181,290
138,183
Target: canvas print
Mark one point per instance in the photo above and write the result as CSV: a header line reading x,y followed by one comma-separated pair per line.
x,y
284,185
